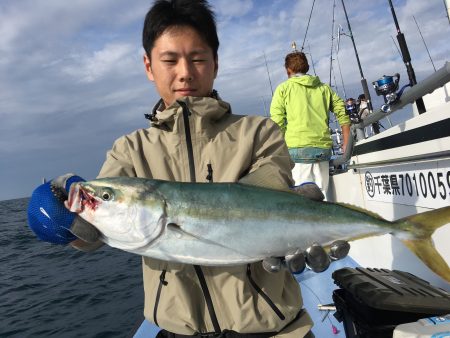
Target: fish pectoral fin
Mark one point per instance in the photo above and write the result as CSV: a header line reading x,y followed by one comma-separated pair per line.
x,y
425,250
177,230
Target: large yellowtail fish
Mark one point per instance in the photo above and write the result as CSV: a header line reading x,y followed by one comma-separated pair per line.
x,y
233,223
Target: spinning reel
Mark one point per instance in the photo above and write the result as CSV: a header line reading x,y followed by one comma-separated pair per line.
x,y
387,86
352,111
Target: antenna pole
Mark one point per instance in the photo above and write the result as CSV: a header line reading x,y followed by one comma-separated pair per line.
x,y
407,59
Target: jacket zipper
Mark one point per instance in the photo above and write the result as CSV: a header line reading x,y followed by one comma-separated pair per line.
x,y
187,131
198,269
209,177
208,300
263,295
162,282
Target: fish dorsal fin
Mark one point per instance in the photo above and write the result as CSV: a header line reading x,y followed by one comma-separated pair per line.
x,y
264,177
359,209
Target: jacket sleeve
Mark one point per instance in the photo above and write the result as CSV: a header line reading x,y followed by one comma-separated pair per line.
x,y
338,108
277,109
271,164
118,161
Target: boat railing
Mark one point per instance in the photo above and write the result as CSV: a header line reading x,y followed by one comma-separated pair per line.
x,y
427,86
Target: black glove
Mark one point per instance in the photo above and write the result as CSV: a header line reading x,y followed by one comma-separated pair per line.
x,y
310,190
314,258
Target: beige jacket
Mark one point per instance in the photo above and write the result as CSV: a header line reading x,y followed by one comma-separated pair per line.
x,y
224,148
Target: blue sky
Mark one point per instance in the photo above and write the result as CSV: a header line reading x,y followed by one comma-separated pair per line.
x,y
72,78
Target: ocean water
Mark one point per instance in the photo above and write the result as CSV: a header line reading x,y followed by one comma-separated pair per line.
x,y
55,291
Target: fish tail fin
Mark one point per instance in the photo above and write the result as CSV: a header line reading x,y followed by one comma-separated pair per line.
x,y
422,226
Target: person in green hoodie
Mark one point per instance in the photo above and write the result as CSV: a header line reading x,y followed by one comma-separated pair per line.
x,y
300,106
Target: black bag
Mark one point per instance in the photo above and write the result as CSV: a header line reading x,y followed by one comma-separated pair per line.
x,y
372,302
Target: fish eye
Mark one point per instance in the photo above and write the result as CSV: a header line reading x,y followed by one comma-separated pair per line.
x,y
107,195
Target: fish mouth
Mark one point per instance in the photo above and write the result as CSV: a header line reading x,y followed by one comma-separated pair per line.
x,y
81,197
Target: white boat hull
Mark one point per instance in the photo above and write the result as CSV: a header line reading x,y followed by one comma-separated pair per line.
x,y
402,171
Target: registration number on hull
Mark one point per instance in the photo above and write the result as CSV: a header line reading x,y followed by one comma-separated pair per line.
x,y
422,184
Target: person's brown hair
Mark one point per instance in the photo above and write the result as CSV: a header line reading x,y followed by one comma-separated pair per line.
x,y
296,62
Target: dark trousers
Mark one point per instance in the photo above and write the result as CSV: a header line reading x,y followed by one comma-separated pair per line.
x,y
224,334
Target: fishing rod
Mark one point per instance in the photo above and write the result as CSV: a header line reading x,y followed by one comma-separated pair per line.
x,y
447,10
312,61
398,50
265,108
307,26
332,41
423,40
337,58
406,59
332,117
363,80
294,48
340,73
268,74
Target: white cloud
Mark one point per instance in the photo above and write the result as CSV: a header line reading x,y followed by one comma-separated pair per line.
x,y
232,8
71,70
110,59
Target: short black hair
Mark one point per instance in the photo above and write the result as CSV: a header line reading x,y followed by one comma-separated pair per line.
x,y
167,13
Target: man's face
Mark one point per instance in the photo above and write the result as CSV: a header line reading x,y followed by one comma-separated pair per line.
x,y
182,64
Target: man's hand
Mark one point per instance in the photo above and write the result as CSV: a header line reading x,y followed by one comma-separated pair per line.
x,y
315,257
309,190
297,261
52,222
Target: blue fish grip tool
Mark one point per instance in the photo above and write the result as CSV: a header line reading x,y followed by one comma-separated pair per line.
x,y
48,218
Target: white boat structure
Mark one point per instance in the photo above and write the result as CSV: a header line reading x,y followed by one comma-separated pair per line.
x,y
401,171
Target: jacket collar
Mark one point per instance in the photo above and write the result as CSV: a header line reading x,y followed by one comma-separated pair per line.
x,y
202,107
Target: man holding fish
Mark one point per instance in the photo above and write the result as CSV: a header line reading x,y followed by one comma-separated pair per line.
x,y
211,250
193,137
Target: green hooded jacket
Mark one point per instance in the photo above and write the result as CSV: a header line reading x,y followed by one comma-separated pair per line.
x,y
300,106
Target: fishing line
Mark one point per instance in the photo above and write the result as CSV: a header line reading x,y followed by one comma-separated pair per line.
x,y
334,329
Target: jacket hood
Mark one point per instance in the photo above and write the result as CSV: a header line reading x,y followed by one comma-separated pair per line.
x,y
306,80
203,107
